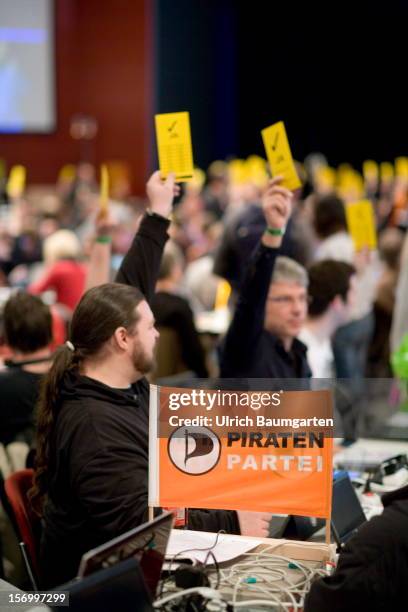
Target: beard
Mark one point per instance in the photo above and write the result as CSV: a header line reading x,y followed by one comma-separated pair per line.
x,y
142,362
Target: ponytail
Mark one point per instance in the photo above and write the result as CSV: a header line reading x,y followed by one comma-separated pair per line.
x,y
47,410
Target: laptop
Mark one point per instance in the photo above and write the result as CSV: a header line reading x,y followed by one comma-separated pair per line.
x,y
146,543
347,512
118,587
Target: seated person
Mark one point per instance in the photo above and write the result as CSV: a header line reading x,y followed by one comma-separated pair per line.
x,y
372,570
351,341
28,333
91,479
331,294
64,273
171,310
390,245
272,305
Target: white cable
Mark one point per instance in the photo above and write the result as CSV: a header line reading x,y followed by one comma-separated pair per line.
x,y
235,603
267,577
269,592
259,602
205,592
306,571
270,578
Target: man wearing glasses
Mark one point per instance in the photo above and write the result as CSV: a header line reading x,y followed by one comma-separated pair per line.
x,y
272,305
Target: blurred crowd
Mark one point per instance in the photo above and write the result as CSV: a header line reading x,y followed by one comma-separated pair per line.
x,y
48,237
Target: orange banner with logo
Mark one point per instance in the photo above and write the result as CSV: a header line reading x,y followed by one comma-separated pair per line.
x,y
272,458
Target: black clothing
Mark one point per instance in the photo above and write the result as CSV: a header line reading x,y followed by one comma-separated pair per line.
x,y
372,572
18,397
173,311
243,233
98,487
249,350
27,249
140,266
98,474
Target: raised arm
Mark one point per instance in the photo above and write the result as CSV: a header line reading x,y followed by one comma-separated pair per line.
x,y
248,321
140,266
100,256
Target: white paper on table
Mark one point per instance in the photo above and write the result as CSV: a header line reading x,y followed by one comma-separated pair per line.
x,y
360,456
228,546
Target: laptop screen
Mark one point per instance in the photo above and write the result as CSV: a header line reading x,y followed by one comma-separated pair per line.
x,y
347,513
147,543
120,587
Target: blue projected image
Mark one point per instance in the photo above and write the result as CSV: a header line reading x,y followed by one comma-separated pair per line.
x,y
26,74
13,86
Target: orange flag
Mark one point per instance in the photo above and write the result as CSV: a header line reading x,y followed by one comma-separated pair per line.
x,y
236,450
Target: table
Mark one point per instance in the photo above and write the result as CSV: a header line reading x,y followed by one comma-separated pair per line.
x,y
247,581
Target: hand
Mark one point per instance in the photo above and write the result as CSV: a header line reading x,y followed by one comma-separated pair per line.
x,y
104,223
161,193
277,204
362,259
254,523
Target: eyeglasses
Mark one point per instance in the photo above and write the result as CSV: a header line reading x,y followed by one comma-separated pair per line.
x,y
288,300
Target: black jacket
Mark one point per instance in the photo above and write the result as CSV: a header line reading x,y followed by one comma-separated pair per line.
x,y
19,394
250,351
99,449
372,572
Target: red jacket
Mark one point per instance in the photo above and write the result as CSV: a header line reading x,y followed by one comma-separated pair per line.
x,y
67,278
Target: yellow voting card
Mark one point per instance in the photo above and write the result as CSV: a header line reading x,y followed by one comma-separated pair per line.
x,y
174,145
361,224
401,167
104,189
370,170
279,155
16,181
386,172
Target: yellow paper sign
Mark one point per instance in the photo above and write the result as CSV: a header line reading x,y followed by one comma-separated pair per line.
x,y
257,171
16,181
401,167
370,170
325,178
279,155
104,192
67,173
351,185
174,145
386,172
237,172
223,295
361,224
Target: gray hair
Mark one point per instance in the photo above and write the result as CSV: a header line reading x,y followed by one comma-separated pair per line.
x,y
287,270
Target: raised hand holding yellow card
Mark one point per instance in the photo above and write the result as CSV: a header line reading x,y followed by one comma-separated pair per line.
x,y
174,145
279,155
361,224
